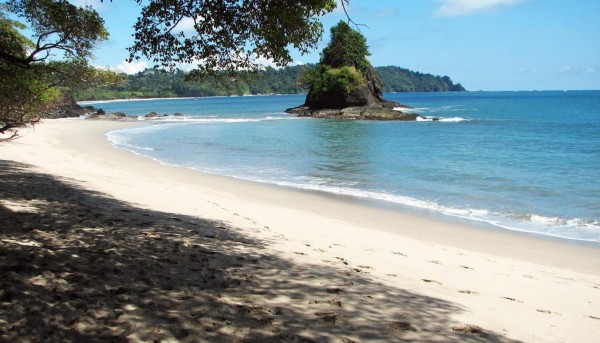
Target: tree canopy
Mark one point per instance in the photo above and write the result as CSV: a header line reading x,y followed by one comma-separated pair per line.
x,y
227,35
347,48
32,71
58,26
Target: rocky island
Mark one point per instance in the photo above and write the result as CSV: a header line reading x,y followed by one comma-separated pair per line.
x,y
344,85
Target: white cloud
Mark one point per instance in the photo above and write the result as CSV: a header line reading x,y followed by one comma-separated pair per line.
x,y
132,68
186,25
188,66
590,70
266,62
466,7
565,70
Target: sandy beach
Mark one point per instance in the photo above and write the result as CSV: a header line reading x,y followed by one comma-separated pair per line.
x,y
99,244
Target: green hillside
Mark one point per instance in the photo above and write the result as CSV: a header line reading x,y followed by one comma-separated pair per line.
x,y
157,83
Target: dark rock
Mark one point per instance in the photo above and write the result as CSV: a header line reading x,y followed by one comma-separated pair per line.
x,y
65,107
108,116
364,102
151,115
100,111
370,112
178,114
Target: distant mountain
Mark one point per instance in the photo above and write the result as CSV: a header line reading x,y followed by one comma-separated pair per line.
x,y
158,83
396,79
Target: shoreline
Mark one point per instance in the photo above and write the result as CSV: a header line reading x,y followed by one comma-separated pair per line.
x,y
391,207
388,206
514,286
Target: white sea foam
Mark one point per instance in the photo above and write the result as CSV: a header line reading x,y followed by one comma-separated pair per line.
x,y
212,119
410,109
454,119
442,119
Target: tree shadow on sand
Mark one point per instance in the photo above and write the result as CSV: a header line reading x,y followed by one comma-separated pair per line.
x,y
77,265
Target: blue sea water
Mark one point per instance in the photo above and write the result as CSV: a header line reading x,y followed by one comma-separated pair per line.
x,y
525,161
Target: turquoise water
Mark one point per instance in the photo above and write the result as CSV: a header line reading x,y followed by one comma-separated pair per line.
x,y
525,161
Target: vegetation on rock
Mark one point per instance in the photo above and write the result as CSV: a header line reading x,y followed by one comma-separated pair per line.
x,y
344,84
347,48
337,79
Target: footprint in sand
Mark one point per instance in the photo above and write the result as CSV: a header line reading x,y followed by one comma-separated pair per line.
x,y
466,267
402,326
594,317
435,262
547,312
327,317
432,281
398,253
512,299
469,329
335,302
467,291
334,290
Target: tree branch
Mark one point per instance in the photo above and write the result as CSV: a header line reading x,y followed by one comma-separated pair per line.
x,y
350,21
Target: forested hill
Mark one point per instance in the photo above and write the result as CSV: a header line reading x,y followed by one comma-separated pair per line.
x,y
156,83
396,79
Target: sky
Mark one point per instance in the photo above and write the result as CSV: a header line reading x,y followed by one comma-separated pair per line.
x,y
483,44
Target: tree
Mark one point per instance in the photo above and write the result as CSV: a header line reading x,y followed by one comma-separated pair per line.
x,y
226,36
58,27
30,70
347,48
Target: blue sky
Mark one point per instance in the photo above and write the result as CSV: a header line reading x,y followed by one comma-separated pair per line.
x,y
483,44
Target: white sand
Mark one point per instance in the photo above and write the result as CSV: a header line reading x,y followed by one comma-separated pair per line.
x,y
327,268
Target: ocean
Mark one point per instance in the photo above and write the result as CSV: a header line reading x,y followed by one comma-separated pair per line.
x,y
522,161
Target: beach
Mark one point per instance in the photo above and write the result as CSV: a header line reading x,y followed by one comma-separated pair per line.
x,y
98,243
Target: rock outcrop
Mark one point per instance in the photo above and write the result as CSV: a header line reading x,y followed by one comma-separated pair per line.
x,y
67,107
364,101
